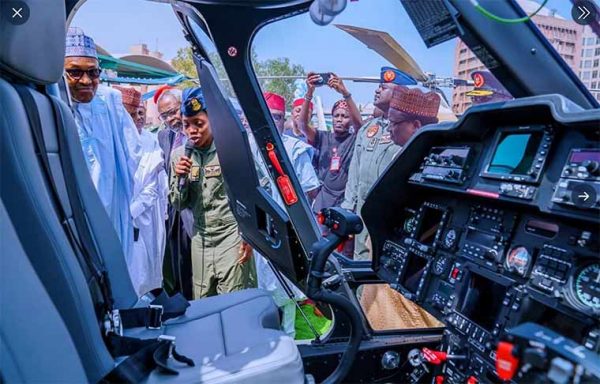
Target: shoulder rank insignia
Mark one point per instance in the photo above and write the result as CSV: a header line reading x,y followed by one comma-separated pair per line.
x,y
372,130
212,171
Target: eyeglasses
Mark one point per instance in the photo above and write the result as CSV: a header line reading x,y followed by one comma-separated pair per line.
x,y
277,116
170,113
77,74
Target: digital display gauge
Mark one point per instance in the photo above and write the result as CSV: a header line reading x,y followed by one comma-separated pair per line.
x,y
518,260
586,286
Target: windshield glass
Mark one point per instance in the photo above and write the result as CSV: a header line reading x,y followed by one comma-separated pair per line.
x,y
329,80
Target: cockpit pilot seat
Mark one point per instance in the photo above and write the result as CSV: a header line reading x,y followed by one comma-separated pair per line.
x,y
232,338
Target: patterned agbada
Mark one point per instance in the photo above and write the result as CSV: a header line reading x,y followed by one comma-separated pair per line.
x,y
387,309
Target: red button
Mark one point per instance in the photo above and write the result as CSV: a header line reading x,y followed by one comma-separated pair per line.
x,y
439,379
455,273
336,225
472,380
321,218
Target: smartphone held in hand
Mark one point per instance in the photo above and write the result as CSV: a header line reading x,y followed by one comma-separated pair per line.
x,y
324,79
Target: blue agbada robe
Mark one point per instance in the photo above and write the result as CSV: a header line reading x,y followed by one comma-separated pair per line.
x,y
112,150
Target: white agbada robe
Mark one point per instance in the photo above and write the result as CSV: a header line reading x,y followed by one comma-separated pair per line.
x,y
149,212
111,148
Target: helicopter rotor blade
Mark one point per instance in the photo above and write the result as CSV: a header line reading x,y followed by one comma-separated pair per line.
x,y
386,46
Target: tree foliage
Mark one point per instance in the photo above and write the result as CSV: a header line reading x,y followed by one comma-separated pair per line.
x,y
282,66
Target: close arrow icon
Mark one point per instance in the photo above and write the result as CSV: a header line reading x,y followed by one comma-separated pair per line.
x,y
584,12
585,196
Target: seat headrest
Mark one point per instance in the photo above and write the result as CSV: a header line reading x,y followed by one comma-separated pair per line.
x,y
34,51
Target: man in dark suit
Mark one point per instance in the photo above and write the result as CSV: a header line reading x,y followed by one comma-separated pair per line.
x,y
177,265
168,101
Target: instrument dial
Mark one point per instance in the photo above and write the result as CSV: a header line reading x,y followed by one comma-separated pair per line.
x,y
440,265
450,239
410,224
586,286
518,260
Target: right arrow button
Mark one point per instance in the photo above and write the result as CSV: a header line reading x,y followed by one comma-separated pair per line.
x,y
583,195
584,12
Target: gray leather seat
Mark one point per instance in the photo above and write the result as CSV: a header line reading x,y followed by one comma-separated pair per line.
x,y
239,341
28,340
232,338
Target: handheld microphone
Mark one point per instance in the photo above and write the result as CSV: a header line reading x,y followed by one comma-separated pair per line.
x,y
189,147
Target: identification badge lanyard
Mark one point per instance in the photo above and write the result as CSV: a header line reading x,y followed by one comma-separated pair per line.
x,y
335,161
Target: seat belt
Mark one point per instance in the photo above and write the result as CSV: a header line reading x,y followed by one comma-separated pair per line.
x,y
144,357
162,307
100,288
138,350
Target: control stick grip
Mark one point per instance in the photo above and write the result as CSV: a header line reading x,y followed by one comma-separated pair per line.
x,y
341,223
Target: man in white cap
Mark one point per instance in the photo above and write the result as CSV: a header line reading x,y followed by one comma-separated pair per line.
x,y
109,138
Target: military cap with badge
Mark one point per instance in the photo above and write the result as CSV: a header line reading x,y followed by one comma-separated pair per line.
x,y
192,102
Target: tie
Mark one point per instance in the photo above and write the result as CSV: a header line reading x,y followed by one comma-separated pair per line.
x,y
179,139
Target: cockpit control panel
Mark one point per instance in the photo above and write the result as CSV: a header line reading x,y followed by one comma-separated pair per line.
x,y
488,233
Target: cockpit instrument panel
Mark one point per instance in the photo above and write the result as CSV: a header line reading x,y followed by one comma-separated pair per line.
x,y
501,231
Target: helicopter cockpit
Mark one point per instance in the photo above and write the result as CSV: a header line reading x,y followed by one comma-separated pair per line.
x,y
486,222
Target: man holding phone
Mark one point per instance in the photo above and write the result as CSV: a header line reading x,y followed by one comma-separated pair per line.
x,y
334,148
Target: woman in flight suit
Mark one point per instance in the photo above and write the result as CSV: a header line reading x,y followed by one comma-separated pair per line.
x,y
221,261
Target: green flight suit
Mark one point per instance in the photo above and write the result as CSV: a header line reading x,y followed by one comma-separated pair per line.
x,y
216,241
374,150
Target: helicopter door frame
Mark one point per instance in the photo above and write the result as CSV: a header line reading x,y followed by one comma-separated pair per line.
x,y
263,223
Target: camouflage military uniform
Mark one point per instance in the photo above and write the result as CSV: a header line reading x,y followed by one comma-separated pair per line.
x,y
373,151
216,240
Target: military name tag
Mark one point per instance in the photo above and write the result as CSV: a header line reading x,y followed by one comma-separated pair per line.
x,y
385,139
372,144
195,173
212,171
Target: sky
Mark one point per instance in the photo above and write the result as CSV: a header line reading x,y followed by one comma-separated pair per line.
x,y
117,24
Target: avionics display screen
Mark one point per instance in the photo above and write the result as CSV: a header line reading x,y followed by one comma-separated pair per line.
x,y
430,223
484,239
482,300
415,268
536,312
515,153
581,156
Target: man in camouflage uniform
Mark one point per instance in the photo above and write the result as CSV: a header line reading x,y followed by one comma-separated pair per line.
x,y
221,261
373,151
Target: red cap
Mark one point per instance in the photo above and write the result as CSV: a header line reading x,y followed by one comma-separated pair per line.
x,y
275,101
159,92
299,102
